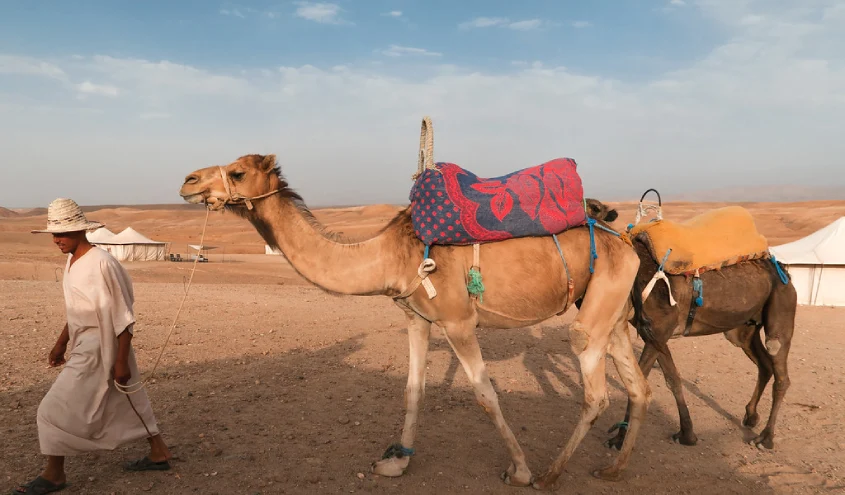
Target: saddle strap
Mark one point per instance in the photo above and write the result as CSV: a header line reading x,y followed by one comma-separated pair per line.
x,y
695,301
570,291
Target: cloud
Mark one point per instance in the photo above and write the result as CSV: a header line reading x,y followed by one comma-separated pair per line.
x,y
23,65
89,88
581,24
764,105
399,51
393,13
324,13
233,13
677,3
503,22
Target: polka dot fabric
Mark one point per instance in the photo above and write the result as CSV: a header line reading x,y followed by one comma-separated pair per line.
x,y
452,206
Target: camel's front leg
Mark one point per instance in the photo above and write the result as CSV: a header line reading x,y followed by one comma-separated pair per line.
x,y
395,460
461,337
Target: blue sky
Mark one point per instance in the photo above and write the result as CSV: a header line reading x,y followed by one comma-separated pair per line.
x,y
117,101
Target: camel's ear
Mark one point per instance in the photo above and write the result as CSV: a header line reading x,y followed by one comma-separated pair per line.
x,y
269,163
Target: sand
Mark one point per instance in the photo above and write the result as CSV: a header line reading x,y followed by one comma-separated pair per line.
x,y
270,385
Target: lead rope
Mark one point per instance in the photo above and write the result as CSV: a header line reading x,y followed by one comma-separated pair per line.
x,y
125,389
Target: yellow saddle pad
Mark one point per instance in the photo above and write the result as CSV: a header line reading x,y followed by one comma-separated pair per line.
x,y
709,241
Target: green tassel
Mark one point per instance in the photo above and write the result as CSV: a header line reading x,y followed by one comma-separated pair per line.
x,y
475,285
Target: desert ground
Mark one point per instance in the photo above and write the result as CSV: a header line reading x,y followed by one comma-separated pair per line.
x,y
270,385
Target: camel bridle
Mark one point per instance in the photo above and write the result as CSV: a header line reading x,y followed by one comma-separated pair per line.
x,y
233,197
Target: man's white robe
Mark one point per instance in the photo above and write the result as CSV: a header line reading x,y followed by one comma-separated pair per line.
x,y
83,411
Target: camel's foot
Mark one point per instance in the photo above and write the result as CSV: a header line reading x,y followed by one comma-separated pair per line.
x,y
517,477
750,420
766,439
617,441
689,439
394,462
610,473
545,482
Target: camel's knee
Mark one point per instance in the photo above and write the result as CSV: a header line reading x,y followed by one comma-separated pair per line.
x,y
773,345
579,339
593,407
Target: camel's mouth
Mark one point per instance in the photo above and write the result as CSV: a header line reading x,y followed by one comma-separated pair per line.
x,y
193,198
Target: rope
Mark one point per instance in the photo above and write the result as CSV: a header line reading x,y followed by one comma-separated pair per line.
x,y
125,389
570,284
783,277
236,197
660,275
475,285
425,160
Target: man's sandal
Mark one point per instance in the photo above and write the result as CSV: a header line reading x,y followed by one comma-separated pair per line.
x,y
39,486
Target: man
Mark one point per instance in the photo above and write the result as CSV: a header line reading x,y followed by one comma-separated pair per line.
x,y
83,411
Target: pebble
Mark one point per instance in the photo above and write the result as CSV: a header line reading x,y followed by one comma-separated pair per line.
x,y
360,476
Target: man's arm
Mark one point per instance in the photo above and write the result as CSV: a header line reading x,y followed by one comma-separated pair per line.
x,y
57,355
122,374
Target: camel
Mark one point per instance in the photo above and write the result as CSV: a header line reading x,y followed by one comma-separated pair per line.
x,y
525,284
741,300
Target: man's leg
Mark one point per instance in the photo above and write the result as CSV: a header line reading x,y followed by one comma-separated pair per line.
x,y
158,449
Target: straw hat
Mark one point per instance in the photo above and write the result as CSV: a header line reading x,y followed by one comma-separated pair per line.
x,y
64,215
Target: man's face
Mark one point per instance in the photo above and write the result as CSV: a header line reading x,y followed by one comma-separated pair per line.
x,y
68,241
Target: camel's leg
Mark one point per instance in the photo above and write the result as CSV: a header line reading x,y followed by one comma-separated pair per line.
x,y
673,380
639,395
646,363
748,338
778,324
397,457
461,337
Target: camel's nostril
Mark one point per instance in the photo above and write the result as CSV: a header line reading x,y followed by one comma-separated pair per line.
x,y
191,179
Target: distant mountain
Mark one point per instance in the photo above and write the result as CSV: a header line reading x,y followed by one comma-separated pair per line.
x,y
778,194
7,213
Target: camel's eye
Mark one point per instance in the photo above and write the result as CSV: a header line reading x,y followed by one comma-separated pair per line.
x,y
237,175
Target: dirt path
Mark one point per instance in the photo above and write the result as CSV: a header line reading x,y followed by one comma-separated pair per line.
x,y
283,389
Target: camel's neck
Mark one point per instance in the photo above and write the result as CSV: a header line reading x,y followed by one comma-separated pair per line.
x,y
370,267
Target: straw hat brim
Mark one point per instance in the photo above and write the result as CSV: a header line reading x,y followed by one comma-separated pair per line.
x,y
73,227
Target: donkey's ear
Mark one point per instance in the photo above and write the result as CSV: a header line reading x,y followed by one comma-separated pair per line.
x,y
269,163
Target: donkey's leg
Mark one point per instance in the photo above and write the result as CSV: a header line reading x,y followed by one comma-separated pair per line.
x,y
396,458
639,395
673,380
779,325
461,336
646,363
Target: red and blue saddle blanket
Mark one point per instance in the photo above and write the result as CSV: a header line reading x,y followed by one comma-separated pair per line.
x,y
452,206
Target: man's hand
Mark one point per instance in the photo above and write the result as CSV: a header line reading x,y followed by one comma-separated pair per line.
x,y
57,355
121,372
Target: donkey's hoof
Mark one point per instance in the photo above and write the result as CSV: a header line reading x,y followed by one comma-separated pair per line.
x,y
392,467
515,477
609,473
750,421
682,439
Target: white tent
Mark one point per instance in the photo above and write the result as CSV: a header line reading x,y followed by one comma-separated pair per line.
x,y
100,235
272,251
816,264
129,245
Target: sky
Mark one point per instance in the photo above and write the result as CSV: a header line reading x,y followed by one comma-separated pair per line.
x,y
115,102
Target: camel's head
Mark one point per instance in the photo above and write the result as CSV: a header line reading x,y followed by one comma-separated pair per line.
x,y
236,185
600,211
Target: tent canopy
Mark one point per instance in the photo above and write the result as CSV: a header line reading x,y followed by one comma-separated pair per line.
x,y
197,247
130,236
823,247
99,236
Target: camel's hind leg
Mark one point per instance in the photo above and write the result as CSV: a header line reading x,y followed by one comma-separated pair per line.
x,y
461,337
397,457
748,338
600,327
673,379
779,325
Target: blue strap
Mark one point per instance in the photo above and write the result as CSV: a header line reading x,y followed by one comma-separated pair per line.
x,y
783,277
593,254
425,255
699,288
665,257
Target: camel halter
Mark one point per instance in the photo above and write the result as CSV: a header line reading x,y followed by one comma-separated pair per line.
x,y
233,197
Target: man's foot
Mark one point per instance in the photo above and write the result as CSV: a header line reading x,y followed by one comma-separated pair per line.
x,y
145,464
40,486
